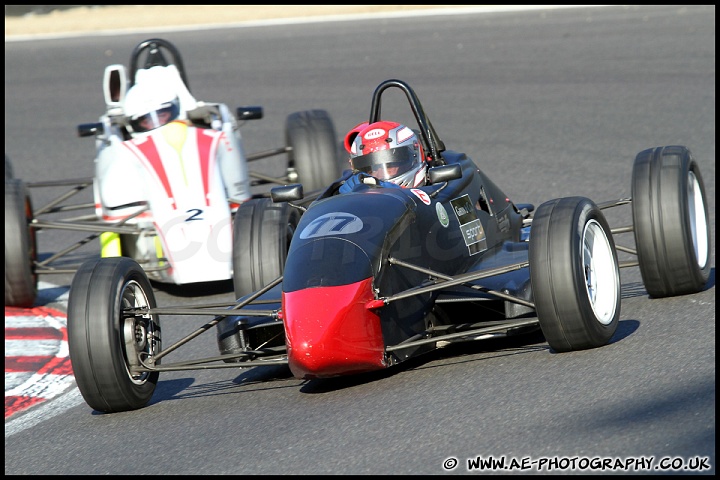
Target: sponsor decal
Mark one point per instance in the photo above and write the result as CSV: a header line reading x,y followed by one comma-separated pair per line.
x,y
442,215
424,197
470,226
503,223
334,223
374,133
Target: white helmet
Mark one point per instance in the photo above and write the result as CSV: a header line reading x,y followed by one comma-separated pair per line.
x,y
150,105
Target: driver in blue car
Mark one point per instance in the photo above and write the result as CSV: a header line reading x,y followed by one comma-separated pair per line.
x,y
384,153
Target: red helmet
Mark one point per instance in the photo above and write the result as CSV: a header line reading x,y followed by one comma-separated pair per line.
x,y
388,151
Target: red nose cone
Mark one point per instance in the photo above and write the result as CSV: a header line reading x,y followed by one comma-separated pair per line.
x,y
329,332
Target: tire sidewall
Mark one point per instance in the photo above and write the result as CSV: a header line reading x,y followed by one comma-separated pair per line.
x,y
20,246
662,222
314,148
95,335
562,302
262,231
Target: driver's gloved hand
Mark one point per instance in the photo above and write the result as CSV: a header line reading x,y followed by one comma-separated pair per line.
x,y
364,178
352,182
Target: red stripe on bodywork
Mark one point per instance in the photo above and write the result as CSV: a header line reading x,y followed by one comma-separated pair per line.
x,y
109,218
146,151
329,332
207,141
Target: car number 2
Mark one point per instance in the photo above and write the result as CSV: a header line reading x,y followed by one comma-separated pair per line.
x,y
195,215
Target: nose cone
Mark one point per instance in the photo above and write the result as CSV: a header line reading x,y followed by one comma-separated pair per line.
x,y
329,332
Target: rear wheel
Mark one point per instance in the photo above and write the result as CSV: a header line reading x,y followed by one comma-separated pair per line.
x,y
314,148
20,246
110,335
262,231
670,217
574,274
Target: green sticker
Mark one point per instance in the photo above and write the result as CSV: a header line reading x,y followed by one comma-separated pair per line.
x,y
442,215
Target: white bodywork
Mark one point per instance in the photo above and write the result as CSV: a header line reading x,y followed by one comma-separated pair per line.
x,y
188,179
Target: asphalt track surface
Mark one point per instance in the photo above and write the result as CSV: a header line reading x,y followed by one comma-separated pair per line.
x,y
549,103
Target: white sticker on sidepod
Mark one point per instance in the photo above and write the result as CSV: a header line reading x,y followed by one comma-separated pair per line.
x,y
424,197
335,223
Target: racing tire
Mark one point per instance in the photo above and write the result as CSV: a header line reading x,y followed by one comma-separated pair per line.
x,y
20,246
574,274
670,218
262,231
104,341
313,148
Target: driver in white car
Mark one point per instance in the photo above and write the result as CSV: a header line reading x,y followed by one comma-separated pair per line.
x,y
159,98
171,151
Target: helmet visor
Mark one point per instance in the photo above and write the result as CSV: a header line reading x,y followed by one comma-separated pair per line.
x,y
387,164
156,118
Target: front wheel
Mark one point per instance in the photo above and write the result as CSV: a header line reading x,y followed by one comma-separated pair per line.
x,y
313,148
111,335
20,245
670,217
262,231
574,274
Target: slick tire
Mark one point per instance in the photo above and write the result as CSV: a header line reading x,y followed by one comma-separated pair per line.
x,y
262,231
105,342
20,246
313,148
574,274
670,218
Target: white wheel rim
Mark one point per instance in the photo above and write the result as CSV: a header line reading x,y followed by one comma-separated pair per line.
x,y
698,225
601,274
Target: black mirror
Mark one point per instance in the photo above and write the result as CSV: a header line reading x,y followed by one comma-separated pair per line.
x,y
90,129
287,193
444,173
249,113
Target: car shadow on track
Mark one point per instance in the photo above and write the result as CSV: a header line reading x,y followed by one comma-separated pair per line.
x,y
459,352
200,289
271,377
250,380
637,289
711,280
274,376
455,353
633,289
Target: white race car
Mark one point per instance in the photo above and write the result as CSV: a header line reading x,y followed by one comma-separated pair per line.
x,y
171,177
